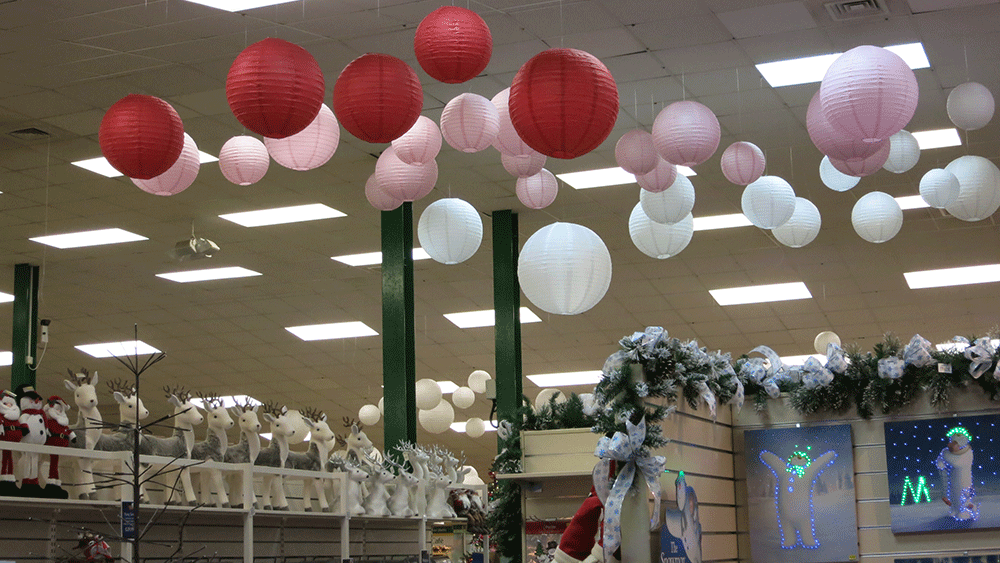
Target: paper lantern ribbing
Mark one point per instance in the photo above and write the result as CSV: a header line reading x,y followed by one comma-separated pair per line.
x,y
686,133
478,379
564,269
970,106
475,427
438,419
141,136
470,122
743,163
862,167
402,181
869,93
427,393
243,160
178,177
802,227
939,188
835,179
377,97
877,217
508,141
672,204
377,196
450,230
769,202
660,178
563,102
824,339
657,240
979,196
310,148
831,142
275,88
538,191
420,144
463,397
523,165
453,44
636,153
904,152
369,415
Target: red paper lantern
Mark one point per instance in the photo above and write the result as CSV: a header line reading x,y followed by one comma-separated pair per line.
x,y
377,98
563,102
275,88
453,44
141,136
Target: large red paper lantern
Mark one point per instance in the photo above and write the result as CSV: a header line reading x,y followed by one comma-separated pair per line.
x,y
275,88
141,136
563,102
377,98
453,44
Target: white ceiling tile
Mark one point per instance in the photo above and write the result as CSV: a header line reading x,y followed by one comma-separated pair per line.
x,y
767,20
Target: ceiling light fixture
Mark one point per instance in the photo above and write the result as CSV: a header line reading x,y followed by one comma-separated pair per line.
x,y
209,274
799,360
239,5
967,275
89,238
761,293
806,70
937,138
117,349
100,165
911,202
476,319
447,387
586,179
712,222
229,401
6,297
372,258
6,358
331,331
460,427
566,379
282,215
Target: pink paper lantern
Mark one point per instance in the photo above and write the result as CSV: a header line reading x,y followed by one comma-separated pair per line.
x,y
831,142
658,179
686,133
636,153
310,148
743,163
470,122
508,141
523,165
538,191
420,144
862,167
402,181
178,177
869,93
243,160
377,196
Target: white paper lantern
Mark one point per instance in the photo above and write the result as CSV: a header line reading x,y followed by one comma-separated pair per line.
x,y
381,406
427,394
438,419
538,191
544,396
939,188
450,230
564,269
636,153
406,182
463,397
835,179
310,148
742,163
877,217
474,427
369,415
377,196
657,240
470,122
179,176
671,205
769,202
478,379
824,339
420,144
523,165
970,106
243,160
660,178
686,133
904,152
802,227
508,141
979,196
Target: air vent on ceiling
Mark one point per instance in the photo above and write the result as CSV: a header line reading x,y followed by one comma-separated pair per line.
x,y
855,9
30,134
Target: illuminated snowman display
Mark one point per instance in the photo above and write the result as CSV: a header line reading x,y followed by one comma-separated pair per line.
x,y
955,467
793,494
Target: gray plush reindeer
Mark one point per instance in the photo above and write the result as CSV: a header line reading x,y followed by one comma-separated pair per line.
x,y
275,454
213,448
322,440
247,450
180,445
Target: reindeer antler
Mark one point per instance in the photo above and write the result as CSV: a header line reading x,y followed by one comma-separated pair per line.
x,y
271,407
180,392
210,400
247,404
119,385
311,413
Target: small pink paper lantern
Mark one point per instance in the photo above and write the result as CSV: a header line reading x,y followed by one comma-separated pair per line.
x,y
508,141
686,133
420,144
538,191
523,165
659,178
636,153
831,142
178,177
377,196
310,148
869,93
862,167
243,160
470,122
402,181
743,163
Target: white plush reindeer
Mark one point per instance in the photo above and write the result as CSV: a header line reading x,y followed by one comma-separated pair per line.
x,y
375,501
418,459
322,440
400,503
213,448
437,506
353,495
247,450
359,446
276,454
88,424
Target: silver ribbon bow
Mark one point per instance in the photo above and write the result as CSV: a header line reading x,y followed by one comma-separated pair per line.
x,y
918,352
739,396
814,374
709,397
981,354
835,360
890,368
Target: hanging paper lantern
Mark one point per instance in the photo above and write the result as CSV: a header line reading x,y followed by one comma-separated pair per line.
x,y
743,163
904,152
377,97
970,106
438,419
450,230
877,217
563,102
538,191
636,153
824,339
420,144
405,182
381,406
939,188
869,93
769,202
657,240
544,396
369,415
564,269
478,379
463,397
377,196
831,142
660,178
275,88
801,228
523,165
427,394
508,141
835,179
672,204
243,160
686,133
178,177
453,44
470,122
979,196
862,167
141,136
474,427
310,148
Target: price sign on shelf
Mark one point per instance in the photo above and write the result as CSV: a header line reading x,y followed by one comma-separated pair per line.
x,y
128,520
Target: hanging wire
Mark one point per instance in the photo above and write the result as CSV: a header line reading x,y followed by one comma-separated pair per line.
x,y
739,96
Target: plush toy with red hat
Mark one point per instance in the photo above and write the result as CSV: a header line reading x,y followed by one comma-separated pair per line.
x,y
579,542
33,418
57,425
12,431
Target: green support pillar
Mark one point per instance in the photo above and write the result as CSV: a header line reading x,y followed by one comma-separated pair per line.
x,y
398,347
25,330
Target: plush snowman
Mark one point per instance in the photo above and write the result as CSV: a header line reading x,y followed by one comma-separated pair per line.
x,y
954,464
795,477
12,431
33,418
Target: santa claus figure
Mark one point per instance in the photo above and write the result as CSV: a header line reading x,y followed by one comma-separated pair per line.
x,y
33,419
12,431
57,425
579,543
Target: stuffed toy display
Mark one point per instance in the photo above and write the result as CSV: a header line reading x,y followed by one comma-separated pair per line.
x,y
13,431
59,434
33,418
954,464
579,543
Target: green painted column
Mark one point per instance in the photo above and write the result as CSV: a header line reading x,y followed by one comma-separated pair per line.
x,y
398,346
506,304
25,330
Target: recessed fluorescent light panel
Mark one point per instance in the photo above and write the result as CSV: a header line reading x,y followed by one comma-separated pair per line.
x,y
331,331
806,70
6,358
937,138
100,165
117,349
566,379
89,238
961,346
799,360
460,427
911,202
204,157
229,401
761,293
968,275
281,215
6,297
208,275
239,5
447,387
712,222
616,176
475,319
372,258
